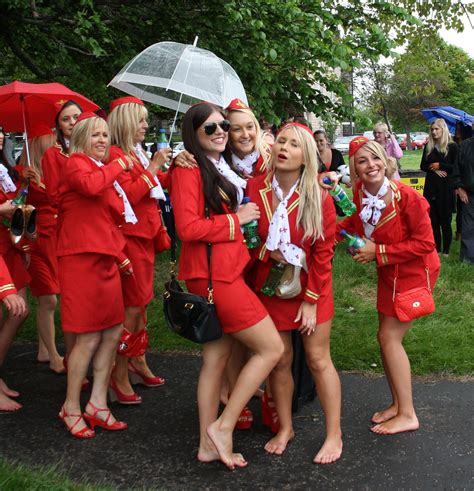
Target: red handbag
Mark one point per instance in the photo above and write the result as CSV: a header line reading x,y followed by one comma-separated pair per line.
x,y
162,240
413,303
133,343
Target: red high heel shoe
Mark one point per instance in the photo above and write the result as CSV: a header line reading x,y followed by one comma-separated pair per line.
x,y
137,377
116,394
94,421
245,419
269,413
85,432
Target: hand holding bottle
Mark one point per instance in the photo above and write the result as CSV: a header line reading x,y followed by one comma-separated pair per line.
x,y
366,253
248,212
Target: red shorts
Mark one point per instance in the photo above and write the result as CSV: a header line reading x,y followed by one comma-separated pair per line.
x,y
44,266
138,287
237,305
91,293
283,312
14,259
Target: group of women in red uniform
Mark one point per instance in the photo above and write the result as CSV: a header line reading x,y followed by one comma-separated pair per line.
x,y
106,201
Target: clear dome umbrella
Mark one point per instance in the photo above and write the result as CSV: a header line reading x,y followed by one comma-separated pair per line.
x,y
176,75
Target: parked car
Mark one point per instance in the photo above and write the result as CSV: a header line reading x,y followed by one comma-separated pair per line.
x,y
341,143
369,134
402,140
419,141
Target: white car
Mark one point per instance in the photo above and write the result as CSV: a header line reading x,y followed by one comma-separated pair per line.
x,y
341,143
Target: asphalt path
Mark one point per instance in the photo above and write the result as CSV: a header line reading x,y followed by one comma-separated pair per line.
x,y
158,451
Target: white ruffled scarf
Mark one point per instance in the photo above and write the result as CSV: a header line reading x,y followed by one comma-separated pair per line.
x,y
224,169
373,207
6,181
246,164
157,192
130,216
279,230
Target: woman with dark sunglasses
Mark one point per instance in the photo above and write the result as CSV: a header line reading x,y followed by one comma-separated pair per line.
x,y
212,184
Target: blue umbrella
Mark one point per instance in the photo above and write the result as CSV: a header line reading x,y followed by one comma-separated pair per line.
x,y
450,114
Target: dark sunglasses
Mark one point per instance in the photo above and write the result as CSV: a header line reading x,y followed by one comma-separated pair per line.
x,y
210,128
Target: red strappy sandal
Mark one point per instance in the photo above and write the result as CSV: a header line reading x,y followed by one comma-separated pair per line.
x,y
94,421
84,432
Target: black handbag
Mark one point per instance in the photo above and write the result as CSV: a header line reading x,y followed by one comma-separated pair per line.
x,y
191,316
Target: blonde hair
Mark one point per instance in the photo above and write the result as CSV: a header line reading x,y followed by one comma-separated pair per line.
x,y
380,127
376,149
82,134
123,123
37,146
310,214
443,141
260,144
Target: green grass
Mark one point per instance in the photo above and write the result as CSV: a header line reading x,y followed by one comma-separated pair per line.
x,y
411,159
442,343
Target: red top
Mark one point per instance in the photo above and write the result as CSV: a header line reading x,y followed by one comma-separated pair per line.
x,y
137,185
6,284
5,240
91,211
53,160
318,255
229,253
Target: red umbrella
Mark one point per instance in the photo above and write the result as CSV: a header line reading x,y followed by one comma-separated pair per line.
x,y
22,104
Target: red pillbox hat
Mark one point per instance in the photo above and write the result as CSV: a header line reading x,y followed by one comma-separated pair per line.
x,y
129,99
356,143
236,104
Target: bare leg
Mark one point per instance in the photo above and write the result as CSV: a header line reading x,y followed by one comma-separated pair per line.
x,y
390,337
328,385
78,362
265,343
140,323
102,362
45,326
281,380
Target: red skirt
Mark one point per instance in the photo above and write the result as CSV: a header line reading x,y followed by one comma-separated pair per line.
x,y
91,292
283,312
14,259
138,288
237,305
44,266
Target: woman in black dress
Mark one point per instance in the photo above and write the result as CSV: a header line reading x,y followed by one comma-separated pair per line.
x,y
438,161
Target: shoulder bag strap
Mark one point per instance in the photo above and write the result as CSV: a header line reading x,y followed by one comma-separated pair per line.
x,y
210,291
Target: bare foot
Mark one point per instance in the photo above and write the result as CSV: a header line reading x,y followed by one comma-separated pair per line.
x,y
384,415
398,424
57,365
7,391
223,443
277,445
42,358
7,404
206,455
330,451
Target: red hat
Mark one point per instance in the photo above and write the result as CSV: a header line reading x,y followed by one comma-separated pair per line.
x,y
39,129
304,127
356,143
86,115
236,104
129,99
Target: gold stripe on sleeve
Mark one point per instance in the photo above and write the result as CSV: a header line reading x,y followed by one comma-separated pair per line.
x,y
231,227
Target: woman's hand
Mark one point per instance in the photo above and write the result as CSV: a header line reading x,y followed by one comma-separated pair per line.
x,y
277,256
307,315
185,159
15,304
463,195
160,158
334,180
7,209
30,173
248,212
441,173
434,166
366,253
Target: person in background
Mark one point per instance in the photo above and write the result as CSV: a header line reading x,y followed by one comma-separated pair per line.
x,y
331,158
394,221
299,222
389,143
438,160
43,264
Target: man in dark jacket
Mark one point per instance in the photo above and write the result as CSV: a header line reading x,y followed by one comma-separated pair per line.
x,y
464,182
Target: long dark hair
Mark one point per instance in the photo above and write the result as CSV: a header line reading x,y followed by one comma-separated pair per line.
x,y
216,188
59,132
12,172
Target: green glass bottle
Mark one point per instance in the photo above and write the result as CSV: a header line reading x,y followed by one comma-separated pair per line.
x,y
273,279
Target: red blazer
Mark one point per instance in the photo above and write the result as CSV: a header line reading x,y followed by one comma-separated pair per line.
x,y
402,236
229,253
5,240
53,160
6,284
91,211
137,185
259,167
318,255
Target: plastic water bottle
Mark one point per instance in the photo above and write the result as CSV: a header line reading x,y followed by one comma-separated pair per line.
x,y
273,279
250,230
341,198
162,141
355,242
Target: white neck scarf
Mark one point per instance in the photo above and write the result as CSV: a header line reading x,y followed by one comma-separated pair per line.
x,y
246,164
157,191
130,216
279,230
5,180
223,167
373,207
